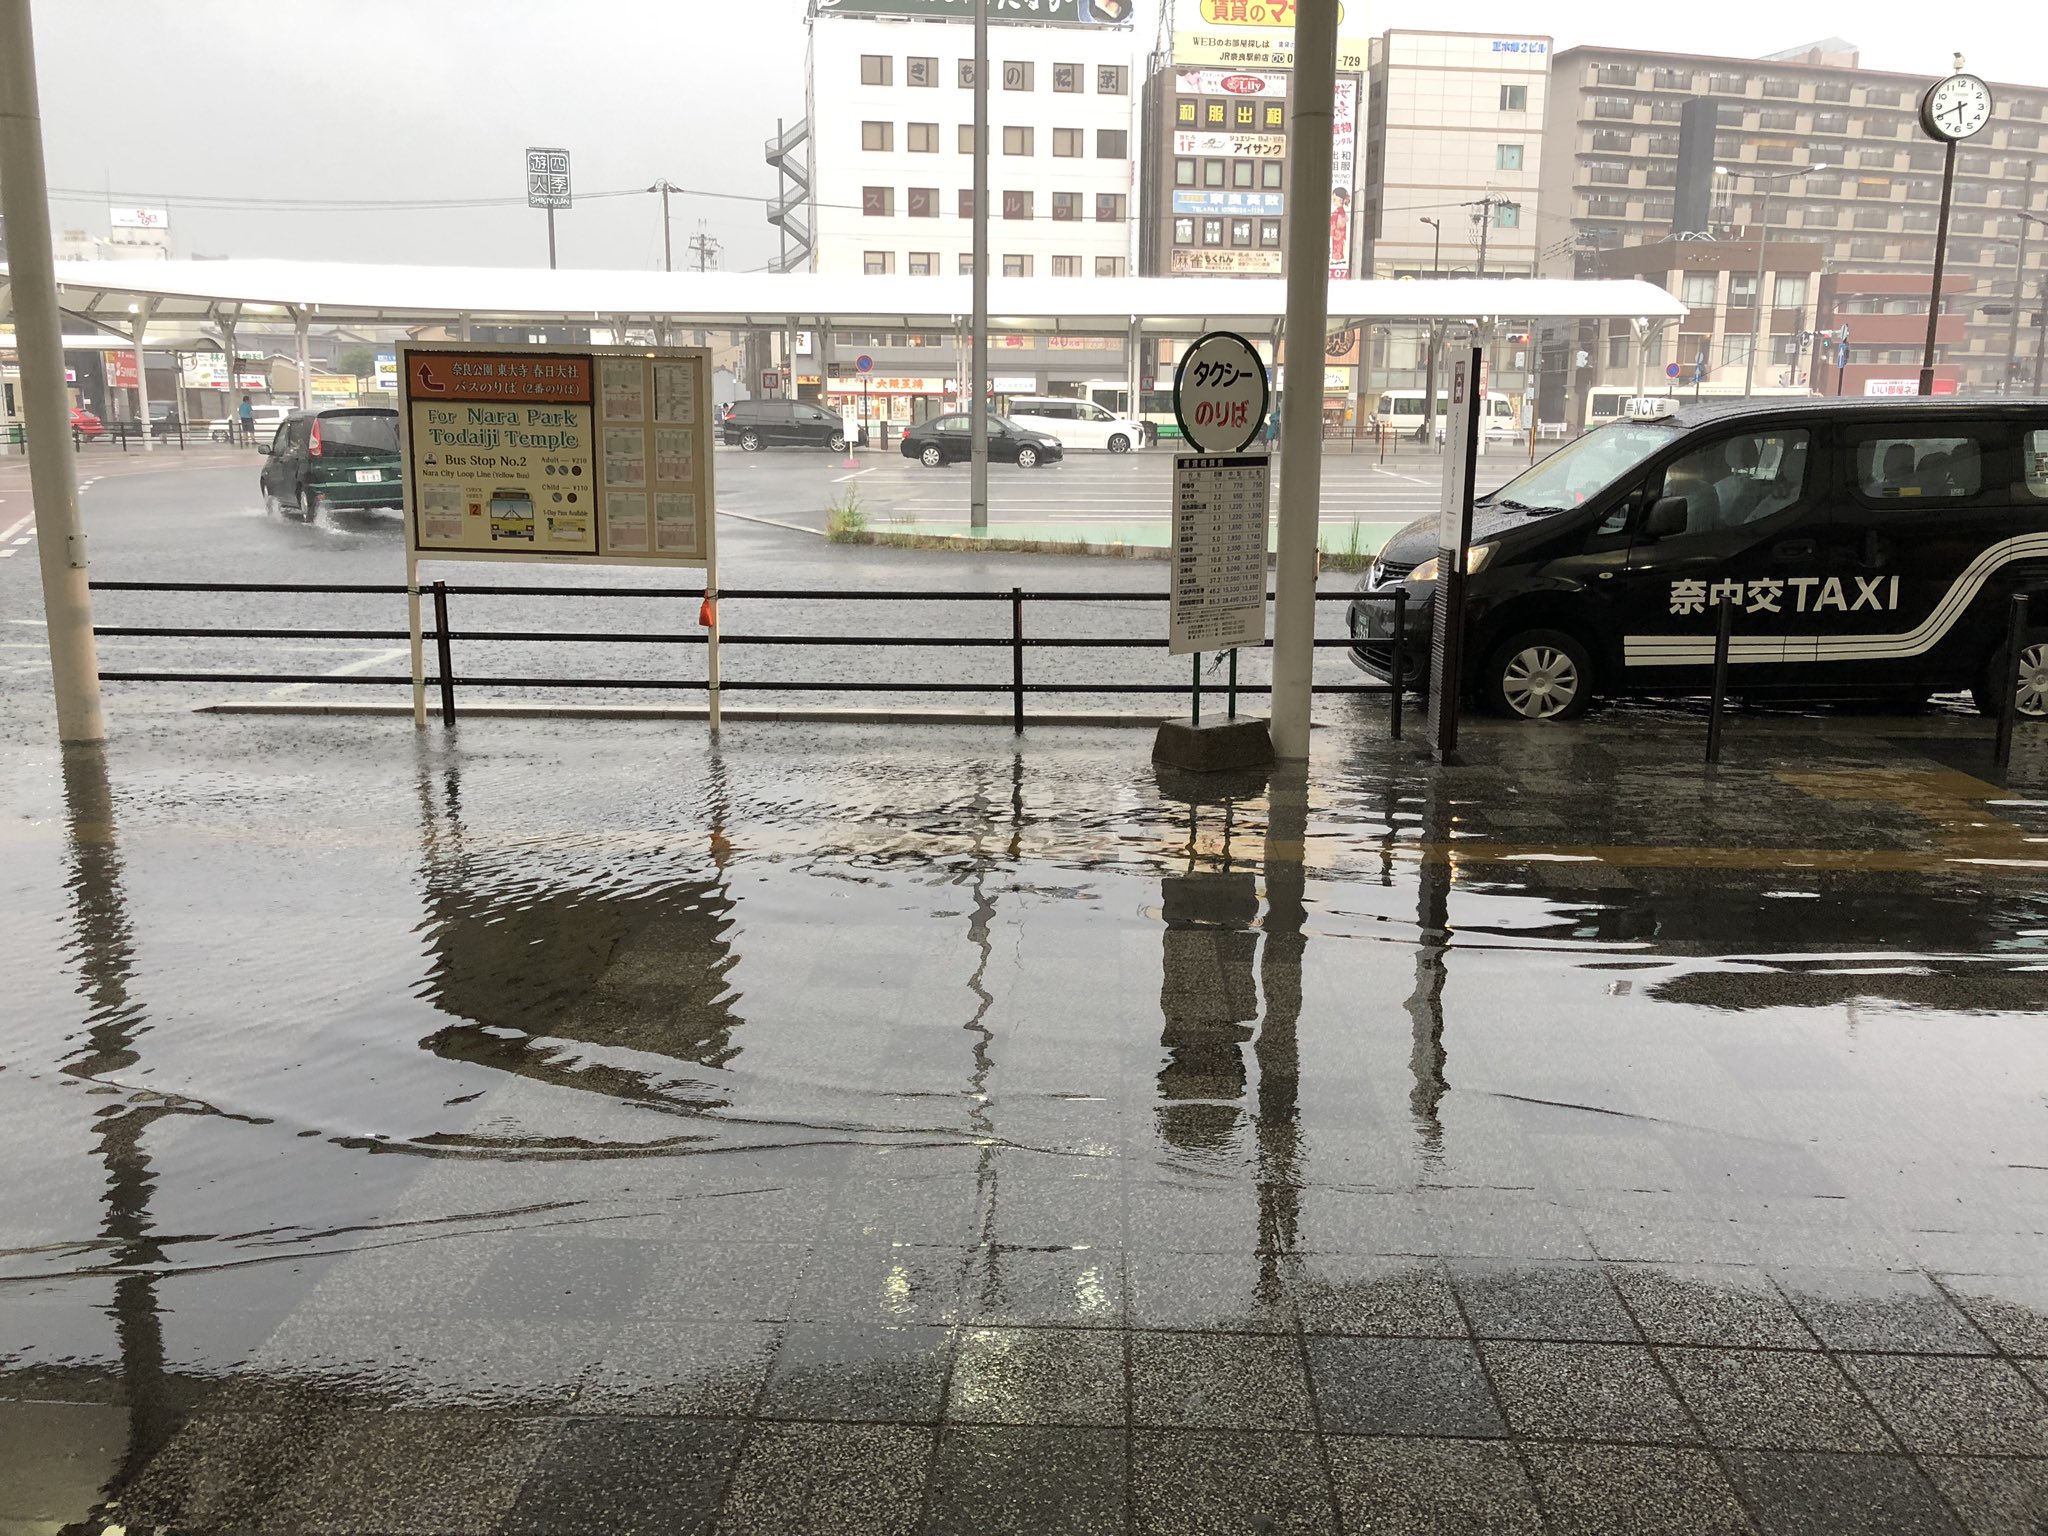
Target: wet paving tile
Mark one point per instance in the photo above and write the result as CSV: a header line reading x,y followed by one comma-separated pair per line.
x,y
879,1281
1956,1406
1245,1292
1369,1222
629,1476
1730,1305
1068,1212
834,1371
1401,1387
1443,1487
1778,1400
406,1473
1502,1224
1994,1496
218,1471
1370,1295
564,1276
737,1280
2012,1309
1880,1310
1541,1301
1028,1481
1038,1376
1073,1287
1170,1218
702,1366
1218,1381
1188,1483
1805,1493
828,1480
1586,1392
1612,1490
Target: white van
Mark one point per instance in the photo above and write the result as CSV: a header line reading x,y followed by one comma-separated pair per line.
x,y
1076,423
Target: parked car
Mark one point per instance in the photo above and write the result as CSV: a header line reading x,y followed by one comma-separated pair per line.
x,y
948,439
346,456
757,424
85,424
1077,423
268,419
163,419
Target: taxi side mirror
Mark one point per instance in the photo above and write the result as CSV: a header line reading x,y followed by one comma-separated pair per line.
x,y
263,447
1666,517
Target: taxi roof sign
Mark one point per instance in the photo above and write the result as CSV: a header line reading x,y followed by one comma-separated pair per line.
x,y
1650,408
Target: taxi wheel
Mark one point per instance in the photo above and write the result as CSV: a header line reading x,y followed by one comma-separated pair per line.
x,y
2032,679
1540,674
931,457
1027,457
1118,443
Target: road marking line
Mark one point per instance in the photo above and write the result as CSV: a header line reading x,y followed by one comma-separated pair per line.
x,y
11,532
869,471
769,522
360,664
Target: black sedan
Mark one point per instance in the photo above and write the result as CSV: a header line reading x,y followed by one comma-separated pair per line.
x,y
946,440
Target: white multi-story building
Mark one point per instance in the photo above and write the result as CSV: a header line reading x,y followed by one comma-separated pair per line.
x,y
891,107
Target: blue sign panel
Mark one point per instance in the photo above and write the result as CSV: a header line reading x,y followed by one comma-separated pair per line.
x,y
1262,204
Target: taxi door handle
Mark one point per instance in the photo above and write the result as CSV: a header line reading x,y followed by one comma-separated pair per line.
x,y
1795,549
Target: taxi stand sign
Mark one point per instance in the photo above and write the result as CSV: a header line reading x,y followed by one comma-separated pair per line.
x,y
1221,499
1454,539
566,455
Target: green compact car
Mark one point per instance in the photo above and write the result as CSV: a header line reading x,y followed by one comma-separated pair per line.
x,y
343,457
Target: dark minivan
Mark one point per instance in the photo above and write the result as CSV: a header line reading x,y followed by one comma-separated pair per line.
x,y
757,424
343,457
1868,548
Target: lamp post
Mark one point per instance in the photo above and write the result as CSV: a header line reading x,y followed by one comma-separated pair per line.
x,y
1763,179
1436,264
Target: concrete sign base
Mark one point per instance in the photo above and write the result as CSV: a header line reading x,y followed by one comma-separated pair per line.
x,y
1214,745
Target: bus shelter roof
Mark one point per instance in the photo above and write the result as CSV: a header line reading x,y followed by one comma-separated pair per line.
x,y
347,292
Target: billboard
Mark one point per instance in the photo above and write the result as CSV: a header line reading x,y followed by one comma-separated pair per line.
x,y
1256,34
1227,82
139,218
1343,165
1260,204
1060,13
1227,262
1247,146
547,178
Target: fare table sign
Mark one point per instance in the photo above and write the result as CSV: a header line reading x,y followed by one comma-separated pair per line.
x,y
1220,499
574,455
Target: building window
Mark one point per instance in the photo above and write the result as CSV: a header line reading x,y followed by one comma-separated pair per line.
x,y
878,263
1742,290
1066,266
1608,140
1112,80
1212,231
1212,173
1514,98
1215,114
1607,106
1882,159
876,69
1880,128
921,138
1066,79
1109,266
1830,122
877,135
1696,290
1183,231
1016,205
1017,76
1183,173
1867,248
1242,173
1016,266
1663,144
1873,218
1617,351
1778,120
1270,172
1507,157
1066,207
921,72
1067,143
924,264
965,139
1109,207
1667,112
1672,79
1917,220
1881,96
966,202
1507,215
1616,74
1017,141
1788,291
1246,114
924,203
1276,117
878,202
1658,210
1241,232
1112,143
1735,351
1783,90
1269,234
1780,151
1831,90
2024,108
967,263
1607,173
1184,111
1728,85
967,74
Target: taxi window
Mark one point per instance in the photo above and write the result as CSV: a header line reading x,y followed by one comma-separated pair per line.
x,y
1902,468
1739,480
2034,450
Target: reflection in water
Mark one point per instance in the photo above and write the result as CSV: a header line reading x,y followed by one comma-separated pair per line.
x,y
1426,1003
103,947
1280,1171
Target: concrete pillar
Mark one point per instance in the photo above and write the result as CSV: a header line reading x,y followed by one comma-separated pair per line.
x,y
143,311
304,361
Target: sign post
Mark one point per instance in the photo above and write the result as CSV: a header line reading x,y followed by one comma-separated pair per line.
x,y
547,186
571,455
1218,576
1454,538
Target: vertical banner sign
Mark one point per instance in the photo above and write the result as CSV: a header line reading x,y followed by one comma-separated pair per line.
x,y
1219,552
1454,537
1343,168
547,178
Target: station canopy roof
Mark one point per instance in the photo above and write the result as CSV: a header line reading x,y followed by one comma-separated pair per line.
x,y
345,292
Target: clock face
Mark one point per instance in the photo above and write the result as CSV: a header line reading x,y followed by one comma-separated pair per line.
x,y
1957,107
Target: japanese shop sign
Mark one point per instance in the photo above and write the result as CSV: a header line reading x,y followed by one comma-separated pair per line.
x,y
1268,204
1267,262
1343,163
1069,13
1252,146
547,178
1219,393
1252,35
598,454
1224,82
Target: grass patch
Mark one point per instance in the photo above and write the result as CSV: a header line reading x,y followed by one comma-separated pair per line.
x,y
846,520
1352,555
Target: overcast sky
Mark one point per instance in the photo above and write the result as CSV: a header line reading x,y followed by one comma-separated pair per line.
x,y
172,103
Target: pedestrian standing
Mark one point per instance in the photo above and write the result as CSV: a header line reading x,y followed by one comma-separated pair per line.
x,y
248,415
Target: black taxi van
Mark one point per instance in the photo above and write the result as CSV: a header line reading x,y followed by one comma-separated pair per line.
x,y
1870,548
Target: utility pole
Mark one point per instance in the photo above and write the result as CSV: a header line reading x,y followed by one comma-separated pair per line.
x,y
1483,217
1427,430
705,247
668,263
39,336
2019,288
2041,325
977,404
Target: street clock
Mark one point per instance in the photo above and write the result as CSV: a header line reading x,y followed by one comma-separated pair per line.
x,y
1955,108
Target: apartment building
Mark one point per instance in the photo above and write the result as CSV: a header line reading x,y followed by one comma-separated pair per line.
x,y
891,105
1869,204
